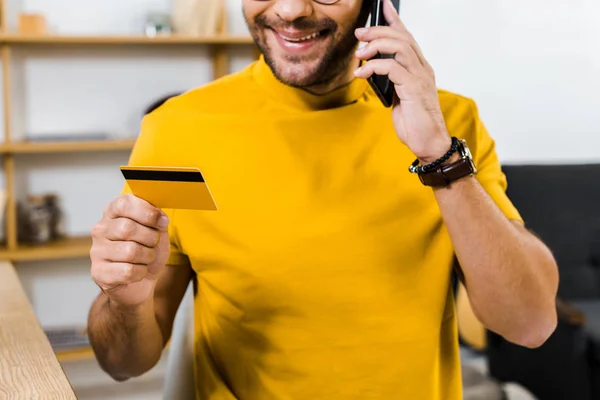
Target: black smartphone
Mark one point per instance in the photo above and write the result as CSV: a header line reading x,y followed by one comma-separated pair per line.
x,y
380,83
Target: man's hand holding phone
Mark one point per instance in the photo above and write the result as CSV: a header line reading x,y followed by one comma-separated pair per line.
x,y
416,111
129,250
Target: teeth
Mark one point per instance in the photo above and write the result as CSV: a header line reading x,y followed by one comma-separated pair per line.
x,y
314,35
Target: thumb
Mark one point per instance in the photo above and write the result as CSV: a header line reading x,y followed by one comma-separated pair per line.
x,y
163,250
164,247
163,222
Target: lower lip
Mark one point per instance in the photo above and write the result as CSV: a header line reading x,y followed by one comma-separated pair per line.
x,y
298,47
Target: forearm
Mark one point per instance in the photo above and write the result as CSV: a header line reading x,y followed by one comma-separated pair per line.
x,y
511,277
127,342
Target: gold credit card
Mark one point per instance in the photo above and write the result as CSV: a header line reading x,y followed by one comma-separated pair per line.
x,y
170,187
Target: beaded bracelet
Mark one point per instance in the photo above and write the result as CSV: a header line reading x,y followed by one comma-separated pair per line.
x,y
416,169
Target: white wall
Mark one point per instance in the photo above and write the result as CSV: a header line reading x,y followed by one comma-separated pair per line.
x,y
532,66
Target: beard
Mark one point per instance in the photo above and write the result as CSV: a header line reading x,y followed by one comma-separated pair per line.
x,y
333,61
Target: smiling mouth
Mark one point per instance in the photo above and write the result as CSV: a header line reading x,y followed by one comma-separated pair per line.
x,y
302,38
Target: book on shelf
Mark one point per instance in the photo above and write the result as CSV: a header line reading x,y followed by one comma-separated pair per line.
x,y
68,137
67,338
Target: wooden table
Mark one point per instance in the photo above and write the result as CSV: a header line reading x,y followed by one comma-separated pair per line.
x,y
29,368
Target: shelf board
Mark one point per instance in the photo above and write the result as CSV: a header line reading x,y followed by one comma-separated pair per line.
x,y
73,247
74,355
122,40
27,147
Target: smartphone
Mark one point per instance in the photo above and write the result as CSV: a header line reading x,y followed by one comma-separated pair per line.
x,y
381,84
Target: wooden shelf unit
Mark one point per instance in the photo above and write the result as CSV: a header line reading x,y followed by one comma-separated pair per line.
x,y
10,148
12,39
25,147
71,247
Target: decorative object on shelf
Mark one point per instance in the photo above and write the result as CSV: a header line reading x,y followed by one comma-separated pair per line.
x,y
34,221
40,219
57,229
198,17
158,24
32,24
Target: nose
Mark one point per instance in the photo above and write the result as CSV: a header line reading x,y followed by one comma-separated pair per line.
x,y
291,10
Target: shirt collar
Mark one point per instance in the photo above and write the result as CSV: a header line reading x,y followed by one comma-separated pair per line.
x,y
303,100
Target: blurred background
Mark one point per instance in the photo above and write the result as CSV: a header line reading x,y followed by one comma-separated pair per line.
x,y
78,76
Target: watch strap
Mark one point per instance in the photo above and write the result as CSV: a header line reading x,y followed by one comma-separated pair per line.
x,y
443,175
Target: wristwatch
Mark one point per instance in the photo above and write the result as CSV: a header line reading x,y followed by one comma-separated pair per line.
x,y
444,175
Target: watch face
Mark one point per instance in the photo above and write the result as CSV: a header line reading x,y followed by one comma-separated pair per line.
x,y
466,152
465,149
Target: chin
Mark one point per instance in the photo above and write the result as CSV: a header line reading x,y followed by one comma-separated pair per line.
x,y
315,63
297,73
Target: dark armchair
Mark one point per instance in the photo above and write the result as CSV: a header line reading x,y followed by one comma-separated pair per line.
x,y
560,204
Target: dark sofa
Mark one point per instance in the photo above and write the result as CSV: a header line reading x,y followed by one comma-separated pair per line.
x,y
560,204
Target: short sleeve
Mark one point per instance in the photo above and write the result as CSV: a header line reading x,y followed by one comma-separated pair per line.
x,y
146,152
490,174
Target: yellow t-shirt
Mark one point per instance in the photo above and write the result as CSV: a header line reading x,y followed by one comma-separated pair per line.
x,y
325,273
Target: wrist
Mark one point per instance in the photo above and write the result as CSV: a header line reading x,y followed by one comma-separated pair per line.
x,y
131,310
435,150
420,166
457,163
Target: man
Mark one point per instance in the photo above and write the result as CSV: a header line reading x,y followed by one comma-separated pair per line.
x,y
326,271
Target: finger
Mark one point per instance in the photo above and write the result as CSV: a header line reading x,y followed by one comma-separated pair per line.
x,y
103,250
419,52
402,51
127,252
377,32
405,82
125,229
392,16
393,19
139,210
385,66
108,275
373,33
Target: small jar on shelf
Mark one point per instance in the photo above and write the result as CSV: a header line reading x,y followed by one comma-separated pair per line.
x,y
57,230
40,219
